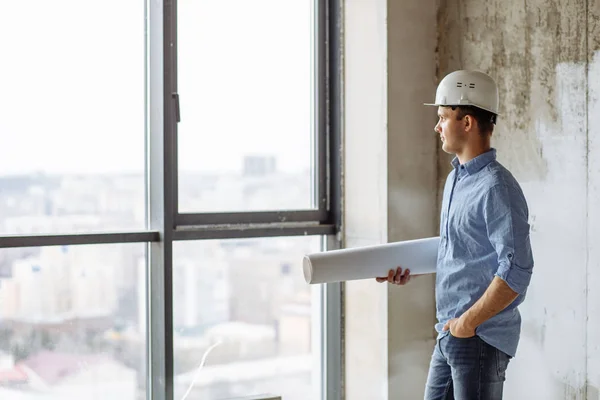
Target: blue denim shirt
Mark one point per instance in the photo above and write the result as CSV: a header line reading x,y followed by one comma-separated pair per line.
x,y
484,232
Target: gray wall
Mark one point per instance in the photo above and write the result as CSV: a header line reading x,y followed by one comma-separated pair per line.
x,y
545,56
390,179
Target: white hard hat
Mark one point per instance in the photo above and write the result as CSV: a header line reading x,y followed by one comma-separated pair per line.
x,y
467,88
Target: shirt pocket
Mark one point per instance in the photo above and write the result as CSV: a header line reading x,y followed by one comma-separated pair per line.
x,y
469,231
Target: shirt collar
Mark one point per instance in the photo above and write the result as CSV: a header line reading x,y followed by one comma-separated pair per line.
x,y
476,164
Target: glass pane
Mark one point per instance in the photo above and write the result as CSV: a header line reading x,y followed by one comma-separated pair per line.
x,y
70,321
249,298
72,119
246,85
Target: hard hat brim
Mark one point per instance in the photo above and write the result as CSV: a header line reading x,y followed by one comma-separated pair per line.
x,y
463,105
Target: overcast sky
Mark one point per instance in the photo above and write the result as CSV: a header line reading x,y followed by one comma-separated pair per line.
x,y
71,84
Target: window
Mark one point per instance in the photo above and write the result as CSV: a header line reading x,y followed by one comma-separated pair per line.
x,y
154,152
260,322
72,322
245,85
72,120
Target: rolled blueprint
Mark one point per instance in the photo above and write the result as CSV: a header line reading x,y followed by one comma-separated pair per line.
x,y
419,256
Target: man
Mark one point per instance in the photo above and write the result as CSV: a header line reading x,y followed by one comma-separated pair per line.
x,y
484,259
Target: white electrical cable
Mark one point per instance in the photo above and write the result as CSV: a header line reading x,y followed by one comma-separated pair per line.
x,y
200,368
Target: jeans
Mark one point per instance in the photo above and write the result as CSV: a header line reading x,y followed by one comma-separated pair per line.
x,y
466,369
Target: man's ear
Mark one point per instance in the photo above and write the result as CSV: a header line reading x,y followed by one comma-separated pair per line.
x,y
469,123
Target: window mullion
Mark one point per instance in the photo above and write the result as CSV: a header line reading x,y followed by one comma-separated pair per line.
x,y
161,169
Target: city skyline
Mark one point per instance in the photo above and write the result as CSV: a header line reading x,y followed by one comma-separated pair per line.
x,y
248,292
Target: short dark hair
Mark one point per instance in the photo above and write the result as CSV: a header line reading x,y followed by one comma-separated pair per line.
x,y
485,119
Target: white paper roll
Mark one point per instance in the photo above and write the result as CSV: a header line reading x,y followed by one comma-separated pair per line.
x,y
419,256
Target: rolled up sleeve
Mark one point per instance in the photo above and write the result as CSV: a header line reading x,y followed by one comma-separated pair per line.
x,y
506,218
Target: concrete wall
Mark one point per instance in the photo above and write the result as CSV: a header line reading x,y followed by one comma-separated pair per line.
x,y
593,209
545,56
390,190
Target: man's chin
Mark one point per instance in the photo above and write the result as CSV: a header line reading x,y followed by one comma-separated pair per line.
x,y
447,149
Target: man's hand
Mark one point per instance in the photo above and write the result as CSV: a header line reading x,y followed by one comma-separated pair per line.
x,y
459,328
396,277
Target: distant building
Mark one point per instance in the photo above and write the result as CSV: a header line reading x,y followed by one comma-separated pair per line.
x,y
259,165
288,377
11,375
201,292
60,284
52,375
